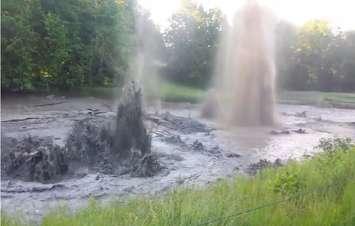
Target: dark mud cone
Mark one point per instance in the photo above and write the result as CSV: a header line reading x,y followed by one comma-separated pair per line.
x,y
123,148
131,133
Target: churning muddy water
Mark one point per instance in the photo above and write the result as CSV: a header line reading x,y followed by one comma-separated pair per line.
x,y
190,149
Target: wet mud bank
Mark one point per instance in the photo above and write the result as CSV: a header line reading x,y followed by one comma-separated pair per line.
x,y
184,150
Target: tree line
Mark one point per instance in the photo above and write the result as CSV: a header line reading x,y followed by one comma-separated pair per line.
x,y
49,45
311,57
315,57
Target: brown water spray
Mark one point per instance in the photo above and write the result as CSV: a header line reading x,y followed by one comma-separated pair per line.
x,y
244,93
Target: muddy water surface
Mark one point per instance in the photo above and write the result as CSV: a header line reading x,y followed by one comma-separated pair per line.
x,y
191,155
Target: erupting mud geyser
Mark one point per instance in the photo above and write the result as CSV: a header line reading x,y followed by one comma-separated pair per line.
x,y
245,70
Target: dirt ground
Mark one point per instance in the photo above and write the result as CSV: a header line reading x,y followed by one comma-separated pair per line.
x,y
192,150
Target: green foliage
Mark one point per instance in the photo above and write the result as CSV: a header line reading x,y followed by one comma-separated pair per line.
x,y
56,51
191,42
335,145
51,44
287,183
16,42
314,57
318,191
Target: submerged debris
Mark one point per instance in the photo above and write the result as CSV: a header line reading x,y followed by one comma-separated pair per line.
x,y
197,146
233,155
183,124
300,131
214,151
302,114
262,164
287,131
147,166
279,132
174,139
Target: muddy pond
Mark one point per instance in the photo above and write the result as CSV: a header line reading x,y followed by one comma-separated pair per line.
x,y
191,150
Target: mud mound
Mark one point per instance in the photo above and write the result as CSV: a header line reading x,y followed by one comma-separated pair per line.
x,y
122,148
130,130
32,159
108,145
91,143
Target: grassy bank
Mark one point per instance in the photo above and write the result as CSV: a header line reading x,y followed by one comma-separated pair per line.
x,y
171,92
319,191
177,93
326,99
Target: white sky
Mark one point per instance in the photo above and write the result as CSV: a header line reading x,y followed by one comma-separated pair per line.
x,y
338,12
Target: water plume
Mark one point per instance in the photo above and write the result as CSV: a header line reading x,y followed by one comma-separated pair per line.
x,y
144,68
243,93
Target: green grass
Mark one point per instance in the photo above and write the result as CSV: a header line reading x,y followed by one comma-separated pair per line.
x,y
332,99
172,92
178,93
319,191
101,92
167,91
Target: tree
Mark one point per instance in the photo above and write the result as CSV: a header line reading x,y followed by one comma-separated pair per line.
x,y
17,44
285,45
191,42
49,44
315,57
346,51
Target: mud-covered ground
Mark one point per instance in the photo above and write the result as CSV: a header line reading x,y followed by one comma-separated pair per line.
x,y
192,150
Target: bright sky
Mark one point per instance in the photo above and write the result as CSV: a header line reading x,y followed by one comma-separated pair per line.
x,y
338,12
